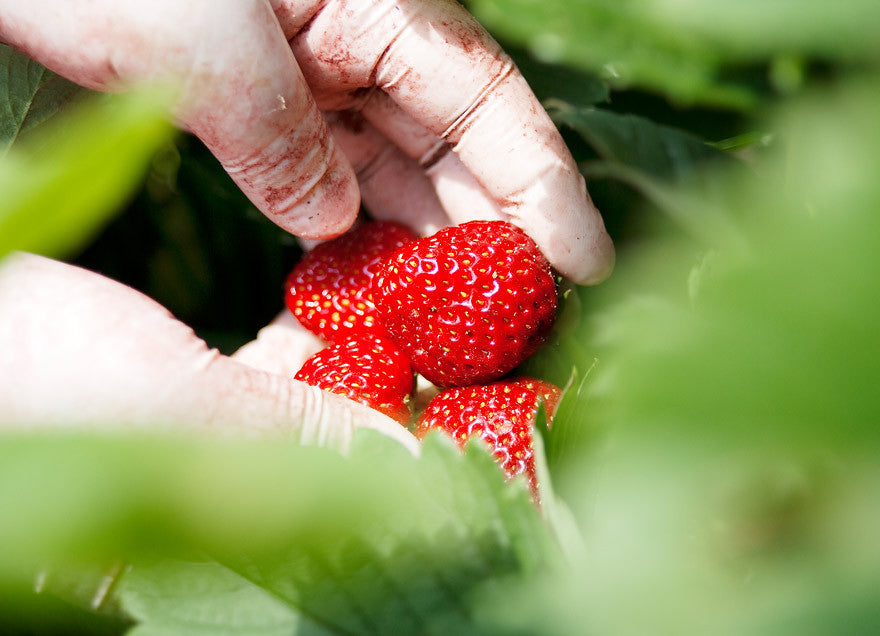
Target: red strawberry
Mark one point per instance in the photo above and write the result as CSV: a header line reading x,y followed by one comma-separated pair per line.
x,y
501,414
369,370
467,304
329,289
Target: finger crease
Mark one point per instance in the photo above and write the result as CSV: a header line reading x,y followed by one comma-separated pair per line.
x,y
434,155
383,57
461,123
368,169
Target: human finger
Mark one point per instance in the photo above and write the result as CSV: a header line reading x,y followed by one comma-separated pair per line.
x,y
240,90
446,72
393,186
281,347
460,195
120,360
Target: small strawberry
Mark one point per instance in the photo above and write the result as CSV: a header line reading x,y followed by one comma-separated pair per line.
x,y
469,303
369,370
329,289
501,414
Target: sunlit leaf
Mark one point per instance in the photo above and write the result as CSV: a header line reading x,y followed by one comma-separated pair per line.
x,y
189,598
620,40
686,49
359,544
62,185
753,29
773,342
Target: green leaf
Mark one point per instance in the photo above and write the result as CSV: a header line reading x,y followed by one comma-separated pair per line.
x,y
189,598
671,168
357,544
464,527
783,298
639,143
754,29
571,430
62,185
622,41
689,50
30,94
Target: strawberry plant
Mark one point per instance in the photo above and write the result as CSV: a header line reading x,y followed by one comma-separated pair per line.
x,y
711,463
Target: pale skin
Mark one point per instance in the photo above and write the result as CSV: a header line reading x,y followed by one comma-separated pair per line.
x,y
408,106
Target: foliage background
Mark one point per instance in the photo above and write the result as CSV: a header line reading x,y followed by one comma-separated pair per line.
x,y
714,466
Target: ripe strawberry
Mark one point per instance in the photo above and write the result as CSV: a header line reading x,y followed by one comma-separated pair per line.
x,y
501,414
369,370
329,289
467,304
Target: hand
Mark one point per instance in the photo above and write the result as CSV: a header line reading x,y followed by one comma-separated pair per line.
x,y
80,350
427,112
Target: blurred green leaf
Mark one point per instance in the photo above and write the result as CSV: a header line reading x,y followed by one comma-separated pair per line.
x,y
621,41
687,49
769,339
415,575
62,185
656,161
30,94
570,432
184,598
755,29
734,488
736,384
358,544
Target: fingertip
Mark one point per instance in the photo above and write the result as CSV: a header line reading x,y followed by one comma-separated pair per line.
x,y
325,210
600,261
311,193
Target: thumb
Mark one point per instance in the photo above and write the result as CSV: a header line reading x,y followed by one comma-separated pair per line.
x,y
261,401
80,350
280,347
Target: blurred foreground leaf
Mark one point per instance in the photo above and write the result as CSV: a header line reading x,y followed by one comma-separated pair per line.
x,y
686,49
768,333
358,544
183,598
62,183
756,29
738,477
621,41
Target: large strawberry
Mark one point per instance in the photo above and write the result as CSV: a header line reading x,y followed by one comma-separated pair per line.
x,y
501,414
369,370
329,288
469,303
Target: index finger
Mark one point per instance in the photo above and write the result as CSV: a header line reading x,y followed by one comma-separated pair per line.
x,y
445,71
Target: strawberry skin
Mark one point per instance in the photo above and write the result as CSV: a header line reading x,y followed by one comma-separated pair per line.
x,y
500,413
329,288
469,303
369,370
